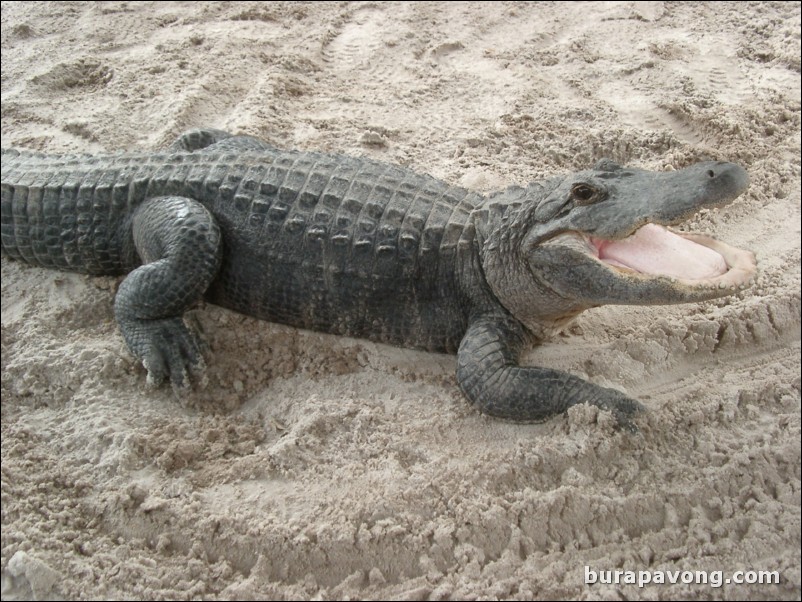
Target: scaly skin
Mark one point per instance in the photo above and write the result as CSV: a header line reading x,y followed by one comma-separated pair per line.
x,y
356,247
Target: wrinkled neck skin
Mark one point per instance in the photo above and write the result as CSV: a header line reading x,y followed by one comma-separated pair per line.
x,y
552,250
522,292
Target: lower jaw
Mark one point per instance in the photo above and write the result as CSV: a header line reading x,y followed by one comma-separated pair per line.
x,y
741,264
658,252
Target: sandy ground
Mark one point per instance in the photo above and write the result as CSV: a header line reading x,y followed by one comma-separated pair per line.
x,y
317,467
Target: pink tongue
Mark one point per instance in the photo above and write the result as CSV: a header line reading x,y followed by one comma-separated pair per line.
x,y
655,250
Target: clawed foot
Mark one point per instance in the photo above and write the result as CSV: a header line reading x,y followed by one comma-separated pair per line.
x,y
623,408
167,349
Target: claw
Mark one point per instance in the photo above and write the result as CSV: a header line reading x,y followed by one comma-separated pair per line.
x,y
180,382
156,373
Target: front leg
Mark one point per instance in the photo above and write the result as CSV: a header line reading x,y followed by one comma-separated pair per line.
x,y
489,375
179,244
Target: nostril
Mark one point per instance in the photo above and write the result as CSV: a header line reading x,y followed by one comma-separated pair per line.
x,y
711,173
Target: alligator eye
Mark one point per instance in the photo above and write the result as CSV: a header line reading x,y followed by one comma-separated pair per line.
x,y
583,194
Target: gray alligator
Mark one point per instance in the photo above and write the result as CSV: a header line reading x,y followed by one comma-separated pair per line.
x,y
365,249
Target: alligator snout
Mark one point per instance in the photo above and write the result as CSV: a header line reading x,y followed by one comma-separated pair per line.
x,y
722,181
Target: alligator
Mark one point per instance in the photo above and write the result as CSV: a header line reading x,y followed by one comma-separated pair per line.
x,y
366,249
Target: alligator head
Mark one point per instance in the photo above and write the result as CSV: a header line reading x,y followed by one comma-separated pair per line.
x,y
603,236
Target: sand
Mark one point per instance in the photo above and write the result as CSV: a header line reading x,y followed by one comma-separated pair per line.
x,y
319,467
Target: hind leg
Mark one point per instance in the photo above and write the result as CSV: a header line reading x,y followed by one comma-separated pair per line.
x,y
212,139
179,243
198,139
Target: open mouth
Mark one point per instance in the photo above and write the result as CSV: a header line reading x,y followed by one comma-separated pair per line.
x,y
693,259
